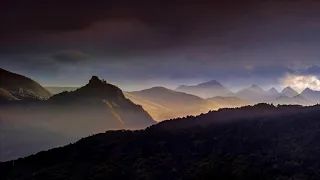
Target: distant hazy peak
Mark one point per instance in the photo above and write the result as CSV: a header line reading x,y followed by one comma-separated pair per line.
x,y
307,90
288,88
211,83
289,91
273,90
255,88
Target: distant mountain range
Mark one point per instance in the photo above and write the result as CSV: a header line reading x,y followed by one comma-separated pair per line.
x,y
15,87
163,103
33,119
65,117
206,90
313,96
253,94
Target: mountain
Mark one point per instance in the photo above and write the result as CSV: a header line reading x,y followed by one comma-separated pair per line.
x,y
298,100
5,95
21,87
206,90
253,94
288,91
93,108
163,103
228,102
254,142
58,89
273,92
313,96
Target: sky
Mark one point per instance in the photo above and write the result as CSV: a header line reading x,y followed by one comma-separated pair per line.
x,y
143,43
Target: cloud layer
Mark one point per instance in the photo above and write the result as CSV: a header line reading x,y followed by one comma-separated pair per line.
x,y
301,82
160,40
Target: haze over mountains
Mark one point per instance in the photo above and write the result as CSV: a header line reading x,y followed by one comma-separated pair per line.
x,y
206,90
163,103
65,117
288,91
33,118
313,96
249,95
156,100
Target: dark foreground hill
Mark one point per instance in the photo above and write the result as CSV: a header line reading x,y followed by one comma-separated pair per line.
x,y
17,87
260,142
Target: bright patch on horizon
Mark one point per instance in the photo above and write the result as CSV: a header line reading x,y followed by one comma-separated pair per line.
x,y
300,82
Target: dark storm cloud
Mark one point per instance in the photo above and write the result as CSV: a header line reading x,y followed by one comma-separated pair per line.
x,y
169,39
181,20
311,70
69,56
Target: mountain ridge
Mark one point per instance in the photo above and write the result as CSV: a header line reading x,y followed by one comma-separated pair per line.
x,y
206,89
22,87
165,103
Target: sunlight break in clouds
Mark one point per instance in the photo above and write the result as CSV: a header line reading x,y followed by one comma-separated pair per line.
x,y
300,82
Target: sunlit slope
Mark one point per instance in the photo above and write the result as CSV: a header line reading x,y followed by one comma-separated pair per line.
x,y
163,103
5,95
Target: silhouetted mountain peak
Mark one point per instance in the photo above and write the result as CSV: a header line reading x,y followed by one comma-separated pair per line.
x,y
95,81
96,88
